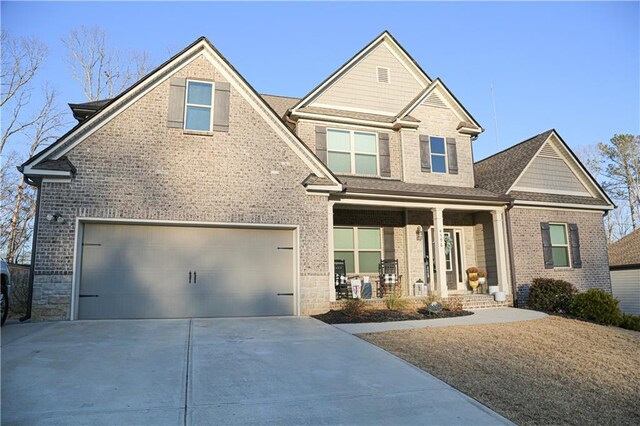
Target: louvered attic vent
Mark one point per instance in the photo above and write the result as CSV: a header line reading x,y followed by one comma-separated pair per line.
x,y
383,75
548,151
435,101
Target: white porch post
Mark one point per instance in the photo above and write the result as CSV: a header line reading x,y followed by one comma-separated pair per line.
x,y
501,253
332,287
441,267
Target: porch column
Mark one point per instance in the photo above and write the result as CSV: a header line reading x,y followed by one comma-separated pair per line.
x,y
501,252
332,287
441,267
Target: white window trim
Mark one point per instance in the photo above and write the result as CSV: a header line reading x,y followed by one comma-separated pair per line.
x,y
356,247
187,104
352,150
378,75
445,155
567,245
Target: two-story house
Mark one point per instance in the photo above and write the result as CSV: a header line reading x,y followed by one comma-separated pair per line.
x,y
191,195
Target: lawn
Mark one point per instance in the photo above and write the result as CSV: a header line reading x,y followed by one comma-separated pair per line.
x,y
547,371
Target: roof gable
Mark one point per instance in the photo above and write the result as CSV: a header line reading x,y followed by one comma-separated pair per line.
x,y
200,48
354,86
541,166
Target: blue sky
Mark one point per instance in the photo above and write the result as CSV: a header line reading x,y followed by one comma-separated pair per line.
x,y
570,66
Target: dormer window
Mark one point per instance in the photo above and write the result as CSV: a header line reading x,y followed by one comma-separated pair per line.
x,y
199,106
383,75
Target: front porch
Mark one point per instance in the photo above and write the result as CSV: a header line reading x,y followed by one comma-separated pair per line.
x,y
433,245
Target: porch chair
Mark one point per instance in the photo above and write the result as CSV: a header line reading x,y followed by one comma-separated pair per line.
x,y
388,275
341,283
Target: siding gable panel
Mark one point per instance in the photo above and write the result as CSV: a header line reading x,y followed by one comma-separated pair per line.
x,y
358,88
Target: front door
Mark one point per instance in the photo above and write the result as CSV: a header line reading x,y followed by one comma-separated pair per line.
x,y
452,253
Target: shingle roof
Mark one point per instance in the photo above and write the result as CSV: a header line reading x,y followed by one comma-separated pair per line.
x,y
556,198
626,251
498,172
280,104
84,110
354,184
61,164
349,114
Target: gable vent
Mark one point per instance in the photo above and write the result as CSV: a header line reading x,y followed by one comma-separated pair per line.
x,y
435,101
548,151
383,75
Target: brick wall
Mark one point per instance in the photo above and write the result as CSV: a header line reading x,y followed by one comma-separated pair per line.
x,y
135,167
529,259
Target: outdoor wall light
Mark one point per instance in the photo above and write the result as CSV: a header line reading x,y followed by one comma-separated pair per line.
x,y
57,217
419,233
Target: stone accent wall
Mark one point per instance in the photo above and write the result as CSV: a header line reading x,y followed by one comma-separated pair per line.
x,y
306,130
529,259
135,167
442,122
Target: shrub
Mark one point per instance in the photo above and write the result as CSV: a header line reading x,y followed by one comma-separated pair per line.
x,y
549,295
394,301
453,304
630,322
354,307
596,305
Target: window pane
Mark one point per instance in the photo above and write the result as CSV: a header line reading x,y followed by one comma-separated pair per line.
x,y
198,118
366,164
199,93
365,142
560,256
438,164
338,140
343,238
437,145
558,234
339,162
369,261
348,258
369,238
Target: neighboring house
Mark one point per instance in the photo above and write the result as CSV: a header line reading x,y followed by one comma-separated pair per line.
x,y
192,195
624,264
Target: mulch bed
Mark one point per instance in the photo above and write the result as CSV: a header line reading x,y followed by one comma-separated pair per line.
x,y
386,315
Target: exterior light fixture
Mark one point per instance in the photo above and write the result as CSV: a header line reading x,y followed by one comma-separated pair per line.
x,y
419,233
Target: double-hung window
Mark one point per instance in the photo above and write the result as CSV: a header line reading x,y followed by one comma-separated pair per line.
x,y
360,248
350,152
559,245
199,106
438,154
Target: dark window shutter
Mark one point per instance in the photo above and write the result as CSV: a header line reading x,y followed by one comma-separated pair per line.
x,y
574,240
221,107
546,245
383,152
452,155
177,87
321,143
389,246
425,152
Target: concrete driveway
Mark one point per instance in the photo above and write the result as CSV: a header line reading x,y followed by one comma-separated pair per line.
x,y
223,371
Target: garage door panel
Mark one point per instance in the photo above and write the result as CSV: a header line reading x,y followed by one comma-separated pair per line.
x,y
143,272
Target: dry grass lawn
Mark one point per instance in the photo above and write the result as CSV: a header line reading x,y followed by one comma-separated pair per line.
x,y
547,371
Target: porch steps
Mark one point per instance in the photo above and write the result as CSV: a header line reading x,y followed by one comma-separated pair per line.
x,y
483,301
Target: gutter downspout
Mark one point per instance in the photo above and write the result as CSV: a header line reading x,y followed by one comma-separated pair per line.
x,y
37,183
514,286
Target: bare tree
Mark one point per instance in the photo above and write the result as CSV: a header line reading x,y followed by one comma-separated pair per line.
x,y
49,120
622,172
21,60
102,71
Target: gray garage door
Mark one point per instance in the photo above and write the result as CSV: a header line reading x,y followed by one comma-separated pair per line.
x,y
136,271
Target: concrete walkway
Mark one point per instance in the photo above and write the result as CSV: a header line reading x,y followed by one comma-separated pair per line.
x,y
481,316
216,371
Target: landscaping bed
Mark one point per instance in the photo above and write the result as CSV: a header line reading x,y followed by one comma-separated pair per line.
x,y
385,315
548,371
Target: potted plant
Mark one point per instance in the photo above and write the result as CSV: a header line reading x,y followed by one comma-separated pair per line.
x,y
472,273
482,279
